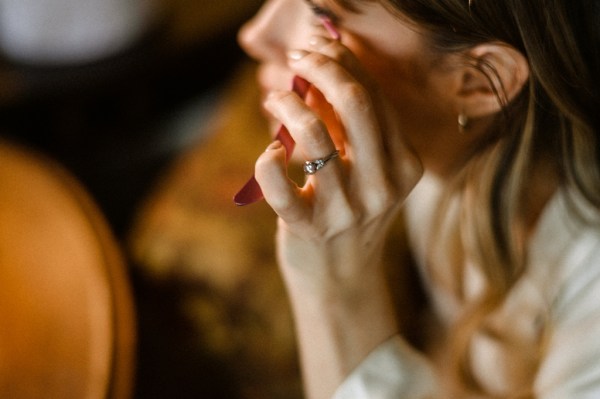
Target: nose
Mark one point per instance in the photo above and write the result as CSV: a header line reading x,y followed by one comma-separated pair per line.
x,y
265,36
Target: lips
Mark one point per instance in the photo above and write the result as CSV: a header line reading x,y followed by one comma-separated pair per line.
x,y
273,77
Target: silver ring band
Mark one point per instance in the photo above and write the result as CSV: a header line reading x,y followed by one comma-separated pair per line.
x,y
311,167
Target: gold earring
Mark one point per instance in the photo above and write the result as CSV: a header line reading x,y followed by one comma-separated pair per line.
x,y
463,122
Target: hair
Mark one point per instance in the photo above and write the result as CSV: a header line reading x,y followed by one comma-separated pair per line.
x,y
553,123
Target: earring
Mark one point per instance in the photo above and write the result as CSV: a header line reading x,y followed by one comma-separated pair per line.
x,y
463,122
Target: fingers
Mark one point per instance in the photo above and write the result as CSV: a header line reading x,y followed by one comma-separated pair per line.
x,y
338,75
307,129
365,178
293,204
310,133
279,191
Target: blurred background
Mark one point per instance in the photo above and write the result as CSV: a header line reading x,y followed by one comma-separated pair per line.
x,y
151,105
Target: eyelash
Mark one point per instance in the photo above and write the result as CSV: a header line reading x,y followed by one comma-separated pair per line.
x,y
321,12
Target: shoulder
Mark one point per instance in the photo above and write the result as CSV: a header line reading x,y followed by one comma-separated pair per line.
x,y
564,254
565,267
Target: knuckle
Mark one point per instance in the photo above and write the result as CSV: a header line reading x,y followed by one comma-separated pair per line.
x,y
262,163
375,199
384,202
345,220
348,219
340,214
380,202
279,95
313,129
318,60
355,97
335,51
284,207
265,164
331,55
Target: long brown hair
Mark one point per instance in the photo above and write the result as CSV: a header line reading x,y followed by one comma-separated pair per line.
x,y
554,123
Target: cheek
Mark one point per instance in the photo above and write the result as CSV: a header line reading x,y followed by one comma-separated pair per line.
x,y
409,81
402,81
398,67
403,78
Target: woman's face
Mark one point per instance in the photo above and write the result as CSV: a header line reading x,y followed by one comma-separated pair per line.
x,y
391,50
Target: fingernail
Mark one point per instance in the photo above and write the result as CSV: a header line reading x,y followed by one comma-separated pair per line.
x,y
276,144
296,55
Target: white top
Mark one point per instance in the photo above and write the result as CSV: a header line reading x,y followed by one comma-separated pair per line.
x,y
561,289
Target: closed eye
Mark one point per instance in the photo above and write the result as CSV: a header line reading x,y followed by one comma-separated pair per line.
x,y
321,12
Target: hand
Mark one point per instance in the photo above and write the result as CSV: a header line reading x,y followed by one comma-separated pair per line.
x,y
332,228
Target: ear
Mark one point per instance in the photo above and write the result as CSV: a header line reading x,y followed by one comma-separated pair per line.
x,y
494,75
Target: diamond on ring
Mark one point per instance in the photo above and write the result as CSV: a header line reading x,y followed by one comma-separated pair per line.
x,y
311,167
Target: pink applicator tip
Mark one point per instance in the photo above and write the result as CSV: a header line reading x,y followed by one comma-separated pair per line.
x,y
330,28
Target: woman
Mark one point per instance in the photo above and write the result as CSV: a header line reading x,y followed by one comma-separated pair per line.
x,y
474,120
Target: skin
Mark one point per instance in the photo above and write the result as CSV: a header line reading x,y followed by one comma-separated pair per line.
x,y
395,104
